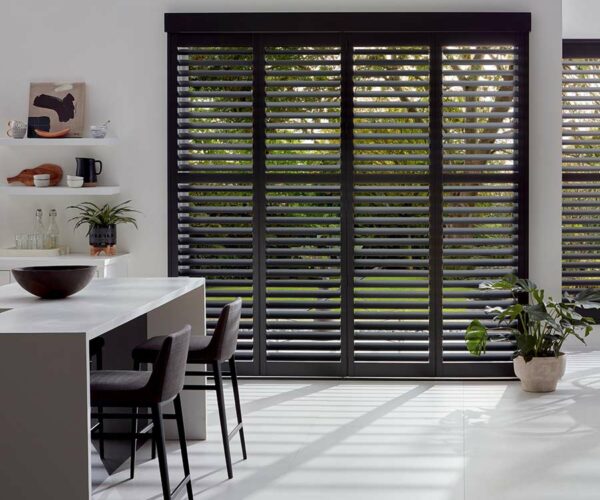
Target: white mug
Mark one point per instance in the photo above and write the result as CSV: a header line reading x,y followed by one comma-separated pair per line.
x,y
16,129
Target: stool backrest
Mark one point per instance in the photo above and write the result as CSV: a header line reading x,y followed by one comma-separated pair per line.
x,y
168,372
225,336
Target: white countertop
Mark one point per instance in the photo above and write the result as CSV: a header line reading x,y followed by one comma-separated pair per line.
x,y
103,305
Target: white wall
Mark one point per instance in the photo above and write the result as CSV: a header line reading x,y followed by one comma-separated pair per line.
x,y
119,49
580,19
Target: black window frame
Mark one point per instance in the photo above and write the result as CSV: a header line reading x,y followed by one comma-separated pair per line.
x,y
436,29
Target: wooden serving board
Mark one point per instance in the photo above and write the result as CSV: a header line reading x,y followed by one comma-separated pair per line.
x,y
26,176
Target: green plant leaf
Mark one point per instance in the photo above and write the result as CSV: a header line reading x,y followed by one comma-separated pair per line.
x,y
588,299
105,215
476,337
526,345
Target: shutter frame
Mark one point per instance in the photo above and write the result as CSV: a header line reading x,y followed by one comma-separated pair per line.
x,y
274,131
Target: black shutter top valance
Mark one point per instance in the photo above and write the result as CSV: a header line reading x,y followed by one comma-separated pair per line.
x,y
355,22
581,47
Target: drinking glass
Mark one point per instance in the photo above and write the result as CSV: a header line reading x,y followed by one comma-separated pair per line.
x,y
21,241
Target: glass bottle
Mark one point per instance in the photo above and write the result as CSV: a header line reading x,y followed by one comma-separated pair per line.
x,y
38,231
52,231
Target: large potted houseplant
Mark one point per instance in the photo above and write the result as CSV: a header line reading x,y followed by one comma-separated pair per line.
x,y
538,326
102,224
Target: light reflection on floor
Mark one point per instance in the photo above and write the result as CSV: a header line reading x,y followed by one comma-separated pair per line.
x,y
411,440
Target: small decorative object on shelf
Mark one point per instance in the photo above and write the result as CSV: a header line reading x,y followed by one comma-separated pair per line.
x,y
56,106
74,181
99,131
52,232
537,326
59,134
26,176
41,180
102,224
16,129
86,168
39,231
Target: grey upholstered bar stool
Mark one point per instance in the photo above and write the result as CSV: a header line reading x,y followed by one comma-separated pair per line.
x,y
128,388
213,351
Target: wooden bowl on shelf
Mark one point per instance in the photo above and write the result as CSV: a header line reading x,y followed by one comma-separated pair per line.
x,y
54,282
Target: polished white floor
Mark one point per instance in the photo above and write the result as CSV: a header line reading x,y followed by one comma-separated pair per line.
x,y
398,440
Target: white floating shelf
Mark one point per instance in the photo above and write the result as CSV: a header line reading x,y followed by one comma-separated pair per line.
x,y
67,141
59,191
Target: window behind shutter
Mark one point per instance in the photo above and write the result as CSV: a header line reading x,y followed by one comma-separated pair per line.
x,y
581,166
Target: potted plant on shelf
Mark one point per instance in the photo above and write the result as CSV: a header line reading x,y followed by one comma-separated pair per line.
x,y
102,224
538,326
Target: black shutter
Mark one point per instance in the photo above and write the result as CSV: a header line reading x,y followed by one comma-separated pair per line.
x,y
302,196
391,208
215,204
353,188
581,165
481,167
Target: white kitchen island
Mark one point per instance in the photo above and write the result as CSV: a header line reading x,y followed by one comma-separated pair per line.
x,y
45,441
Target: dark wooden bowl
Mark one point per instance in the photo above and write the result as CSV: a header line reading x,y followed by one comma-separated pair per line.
x,y
54,282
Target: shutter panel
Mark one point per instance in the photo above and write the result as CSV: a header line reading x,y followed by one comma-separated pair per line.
x,y
581,173
215,212
303,231
480,191
391,214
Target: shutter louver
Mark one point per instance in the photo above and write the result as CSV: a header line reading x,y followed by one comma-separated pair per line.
x,y
303,231
581,173
480,191
391,218
215,216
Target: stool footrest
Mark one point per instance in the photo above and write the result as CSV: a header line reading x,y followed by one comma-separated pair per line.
x,y
235,430
200,387
179,488
136,415
121,435
209,373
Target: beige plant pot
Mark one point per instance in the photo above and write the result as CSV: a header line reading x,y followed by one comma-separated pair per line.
x,y
540,374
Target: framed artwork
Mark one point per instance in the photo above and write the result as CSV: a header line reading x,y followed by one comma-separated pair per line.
x,y
56,106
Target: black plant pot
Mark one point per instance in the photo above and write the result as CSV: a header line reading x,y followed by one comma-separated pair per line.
x,y
103,239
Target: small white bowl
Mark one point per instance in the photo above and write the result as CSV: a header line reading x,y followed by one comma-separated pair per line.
x,y
74,177
98,131
75,183
41,183
41,177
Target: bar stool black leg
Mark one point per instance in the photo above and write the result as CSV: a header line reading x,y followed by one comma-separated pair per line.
x,y
238,406
222,415
159,432
183,445
134,430
99,409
